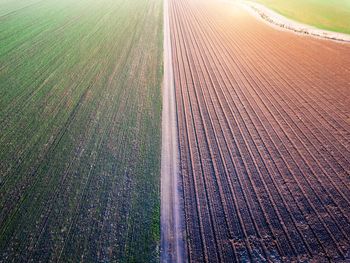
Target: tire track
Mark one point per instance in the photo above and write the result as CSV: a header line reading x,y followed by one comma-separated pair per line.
x,y
172,223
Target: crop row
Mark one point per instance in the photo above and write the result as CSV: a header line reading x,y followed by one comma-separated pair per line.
x,y
80,116
264,153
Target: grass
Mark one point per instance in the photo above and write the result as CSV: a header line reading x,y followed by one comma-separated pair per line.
x,y
80,111
333,15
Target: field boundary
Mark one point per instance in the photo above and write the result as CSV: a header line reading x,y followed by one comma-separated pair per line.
x,y
172,223
279,21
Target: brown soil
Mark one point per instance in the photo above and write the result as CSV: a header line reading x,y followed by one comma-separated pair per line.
x,y
264,137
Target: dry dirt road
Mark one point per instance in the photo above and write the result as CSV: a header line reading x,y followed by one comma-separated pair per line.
x,y
173,247
264,137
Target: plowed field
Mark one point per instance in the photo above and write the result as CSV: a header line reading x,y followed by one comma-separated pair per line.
x,y
264,134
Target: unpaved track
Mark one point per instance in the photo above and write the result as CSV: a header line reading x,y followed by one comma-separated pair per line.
x,y
172,221
264,135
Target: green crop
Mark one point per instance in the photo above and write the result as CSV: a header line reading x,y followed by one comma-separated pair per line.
x,y
80,116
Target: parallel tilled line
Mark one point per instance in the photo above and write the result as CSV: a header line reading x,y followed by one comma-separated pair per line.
x,y
337,189
308,61
310,146
231,128
216,209
209,38
258,171
332,122
216,139
211,239
311,104
298,169
317,172
287,116
185,163
194,163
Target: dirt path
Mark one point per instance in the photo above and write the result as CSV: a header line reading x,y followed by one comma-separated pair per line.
x,y
172,225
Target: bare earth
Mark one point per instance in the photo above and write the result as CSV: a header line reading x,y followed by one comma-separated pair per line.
x,y
172,217
264,137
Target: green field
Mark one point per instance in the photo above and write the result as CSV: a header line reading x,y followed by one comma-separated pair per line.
x,y
80,118
331,15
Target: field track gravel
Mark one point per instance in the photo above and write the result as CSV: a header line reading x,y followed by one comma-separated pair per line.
x,y
263,126
172,223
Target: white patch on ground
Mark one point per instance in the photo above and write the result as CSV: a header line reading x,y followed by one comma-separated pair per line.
x,y
262,12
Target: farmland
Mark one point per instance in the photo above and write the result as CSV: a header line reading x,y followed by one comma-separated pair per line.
x,y
263,127
331,15
80,111
248,131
